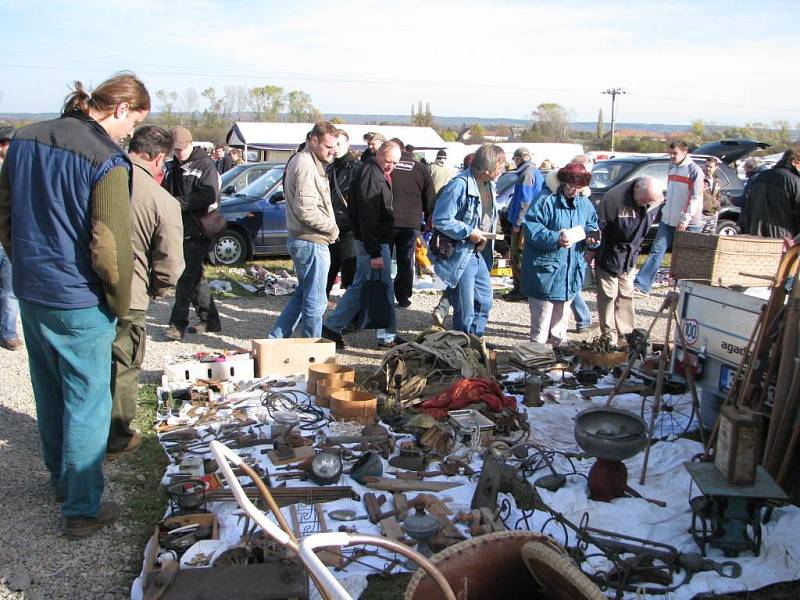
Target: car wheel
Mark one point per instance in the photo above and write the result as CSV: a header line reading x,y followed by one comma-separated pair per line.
x,y
230,248
726,227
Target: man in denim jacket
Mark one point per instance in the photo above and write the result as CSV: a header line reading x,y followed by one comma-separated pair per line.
x,y
465,212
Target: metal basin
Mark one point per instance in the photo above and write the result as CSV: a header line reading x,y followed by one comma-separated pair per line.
x,y
610,433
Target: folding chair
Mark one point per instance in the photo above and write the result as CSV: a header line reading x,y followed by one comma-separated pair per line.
x,y
327,584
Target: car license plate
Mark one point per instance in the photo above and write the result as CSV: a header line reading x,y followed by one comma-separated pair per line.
x,y
726,377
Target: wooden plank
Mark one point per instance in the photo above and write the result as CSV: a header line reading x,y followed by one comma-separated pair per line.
x,y
409,485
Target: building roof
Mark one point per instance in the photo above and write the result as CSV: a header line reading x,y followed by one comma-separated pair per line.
x,y
287,136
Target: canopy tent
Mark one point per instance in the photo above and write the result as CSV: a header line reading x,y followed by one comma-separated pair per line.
x,y
285,137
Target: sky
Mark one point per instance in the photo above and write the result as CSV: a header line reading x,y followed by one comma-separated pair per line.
x,y
725,62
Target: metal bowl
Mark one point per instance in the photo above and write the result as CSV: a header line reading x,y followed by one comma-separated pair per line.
x,y
610,433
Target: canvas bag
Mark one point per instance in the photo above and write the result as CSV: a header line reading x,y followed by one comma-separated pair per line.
x,y
376,313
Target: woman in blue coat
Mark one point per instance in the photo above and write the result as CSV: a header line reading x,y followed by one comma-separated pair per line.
x,y
558,230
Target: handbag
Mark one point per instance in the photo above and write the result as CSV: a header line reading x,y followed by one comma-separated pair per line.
x,y
375,313
211,224
442,246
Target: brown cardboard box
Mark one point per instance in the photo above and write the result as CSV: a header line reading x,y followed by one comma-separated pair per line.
x,y
291,356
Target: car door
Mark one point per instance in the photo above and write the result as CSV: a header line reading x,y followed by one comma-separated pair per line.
x,y
274,232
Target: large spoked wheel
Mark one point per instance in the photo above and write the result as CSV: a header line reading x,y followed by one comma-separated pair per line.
x,y
230,248
674,418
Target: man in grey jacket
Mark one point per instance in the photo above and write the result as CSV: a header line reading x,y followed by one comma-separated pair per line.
x,y
157,237
311,224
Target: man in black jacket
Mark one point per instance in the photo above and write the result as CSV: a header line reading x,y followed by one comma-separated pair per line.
x,y
412,190
624,216
193,179
773,208
372,216
341,174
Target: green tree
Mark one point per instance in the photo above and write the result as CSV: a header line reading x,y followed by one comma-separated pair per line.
x,y
422,118
267,102
551,122
337,121
448,135
300,107
601,126
698,128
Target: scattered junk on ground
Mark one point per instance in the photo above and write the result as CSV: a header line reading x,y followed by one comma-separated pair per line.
x,y
482,473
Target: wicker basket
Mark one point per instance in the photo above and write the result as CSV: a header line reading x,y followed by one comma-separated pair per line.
x,y
725,259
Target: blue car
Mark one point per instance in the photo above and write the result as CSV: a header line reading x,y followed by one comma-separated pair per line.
x,y
256,218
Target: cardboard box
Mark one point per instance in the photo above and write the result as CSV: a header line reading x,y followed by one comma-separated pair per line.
x,y
291,356
238,367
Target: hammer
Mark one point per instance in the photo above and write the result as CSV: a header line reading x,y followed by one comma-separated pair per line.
x,y
373,505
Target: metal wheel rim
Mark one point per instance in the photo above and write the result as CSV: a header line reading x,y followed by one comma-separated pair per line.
x,y
675,415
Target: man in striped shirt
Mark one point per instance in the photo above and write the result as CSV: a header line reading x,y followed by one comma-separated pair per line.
x,y
683,211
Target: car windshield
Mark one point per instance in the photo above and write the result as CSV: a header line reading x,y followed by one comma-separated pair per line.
x,y
263,184
228,175
608,173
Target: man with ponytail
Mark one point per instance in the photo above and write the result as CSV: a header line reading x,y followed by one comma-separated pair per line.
x,y
65,223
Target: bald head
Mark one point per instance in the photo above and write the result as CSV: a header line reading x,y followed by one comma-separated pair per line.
x,y
646,192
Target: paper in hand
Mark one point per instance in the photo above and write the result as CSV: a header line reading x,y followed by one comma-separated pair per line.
x,y
574,234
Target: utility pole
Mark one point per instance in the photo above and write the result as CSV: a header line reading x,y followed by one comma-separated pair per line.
x,y
614,92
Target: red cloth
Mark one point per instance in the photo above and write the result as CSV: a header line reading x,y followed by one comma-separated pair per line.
x,y
465,392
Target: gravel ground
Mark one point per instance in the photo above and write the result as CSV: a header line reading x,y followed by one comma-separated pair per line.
x,y
36,564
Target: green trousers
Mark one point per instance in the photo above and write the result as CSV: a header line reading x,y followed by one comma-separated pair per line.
x,y
127,354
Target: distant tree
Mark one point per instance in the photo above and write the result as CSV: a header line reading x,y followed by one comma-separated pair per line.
x,y
601,126
187,106
422,118
337,121
300,107
698,128
242,101
214,115
448,135
503,131
166,108
551,122
267,102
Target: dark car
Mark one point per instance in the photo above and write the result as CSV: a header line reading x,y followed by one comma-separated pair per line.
x,y
256,219
238,177
729,151
608,173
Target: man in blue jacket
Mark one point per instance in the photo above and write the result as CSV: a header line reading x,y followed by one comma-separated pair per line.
x,y
557,234
526,190
465,213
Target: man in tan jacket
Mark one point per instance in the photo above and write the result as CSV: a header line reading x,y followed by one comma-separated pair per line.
x,y
157,237
312,228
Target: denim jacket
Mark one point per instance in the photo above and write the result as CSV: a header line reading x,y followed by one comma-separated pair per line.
x,y
457,213
550,272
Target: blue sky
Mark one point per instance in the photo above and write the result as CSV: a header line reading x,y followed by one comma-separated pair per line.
x,y
725,62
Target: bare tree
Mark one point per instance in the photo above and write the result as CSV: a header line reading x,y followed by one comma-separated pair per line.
x,y
187,105
551,122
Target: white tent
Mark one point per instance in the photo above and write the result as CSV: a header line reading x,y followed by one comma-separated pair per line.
x,y
276,141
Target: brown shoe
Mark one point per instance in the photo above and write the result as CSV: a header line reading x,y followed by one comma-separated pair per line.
x,y
174,333
204,328
78,528
133,444
11,344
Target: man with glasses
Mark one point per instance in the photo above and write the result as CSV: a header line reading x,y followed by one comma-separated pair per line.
x,y
683,211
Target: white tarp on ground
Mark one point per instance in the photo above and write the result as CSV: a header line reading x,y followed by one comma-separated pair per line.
x,y
667,480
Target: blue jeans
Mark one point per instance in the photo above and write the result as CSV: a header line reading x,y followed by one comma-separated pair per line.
x,y
583,316
472,297
69,353
348,306
9,307
309,300
646,275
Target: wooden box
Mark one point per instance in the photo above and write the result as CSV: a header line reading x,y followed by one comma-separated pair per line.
x,y
738,443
